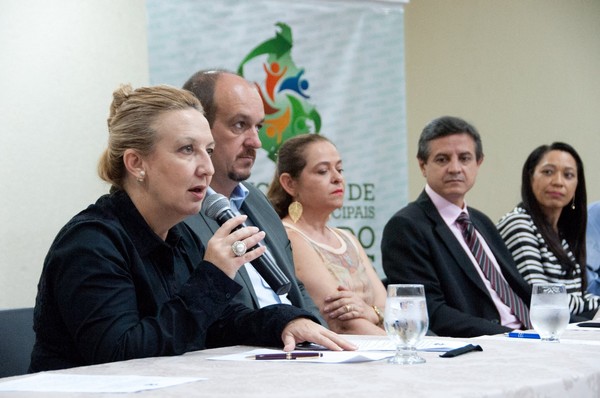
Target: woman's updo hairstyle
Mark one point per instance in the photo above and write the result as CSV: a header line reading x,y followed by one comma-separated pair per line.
x,y
130,124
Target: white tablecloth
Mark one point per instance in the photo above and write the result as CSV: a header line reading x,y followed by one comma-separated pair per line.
x,y
506,368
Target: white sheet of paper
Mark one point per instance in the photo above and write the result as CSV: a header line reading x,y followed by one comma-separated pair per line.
x,y
385,344
538,341
328,356
62,382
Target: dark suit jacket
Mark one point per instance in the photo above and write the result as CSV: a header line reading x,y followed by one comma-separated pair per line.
x,y
418,247
261,214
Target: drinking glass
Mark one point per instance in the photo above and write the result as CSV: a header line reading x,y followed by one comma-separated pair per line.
x,y
549,310
406,321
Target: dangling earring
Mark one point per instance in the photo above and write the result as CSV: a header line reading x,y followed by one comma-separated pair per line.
x,y
140,179
295,211
573,203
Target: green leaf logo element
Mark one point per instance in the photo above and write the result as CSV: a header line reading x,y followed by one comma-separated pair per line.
x,y
284,92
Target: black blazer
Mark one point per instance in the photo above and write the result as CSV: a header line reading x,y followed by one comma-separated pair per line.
x,y
261,214
418,247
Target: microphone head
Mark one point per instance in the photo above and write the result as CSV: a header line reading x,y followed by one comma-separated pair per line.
x,y
214,204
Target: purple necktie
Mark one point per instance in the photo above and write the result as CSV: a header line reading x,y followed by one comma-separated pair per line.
x,y
504,291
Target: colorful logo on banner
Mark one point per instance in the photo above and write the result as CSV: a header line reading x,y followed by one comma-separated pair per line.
x,y
284,93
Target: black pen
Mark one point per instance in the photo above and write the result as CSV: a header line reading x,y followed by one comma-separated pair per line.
x,y
287,355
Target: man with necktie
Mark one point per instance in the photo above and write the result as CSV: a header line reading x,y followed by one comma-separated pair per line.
x,y
234,110
472,285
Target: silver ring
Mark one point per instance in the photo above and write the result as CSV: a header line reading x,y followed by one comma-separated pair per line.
x,y
239,248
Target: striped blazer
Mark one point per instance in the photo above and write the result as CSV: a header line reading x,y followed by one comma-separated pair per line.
x,y
536,262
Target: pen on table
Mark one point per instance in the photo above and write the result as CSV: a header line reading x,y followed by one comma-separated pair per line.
x,y
461,350
522,335
287,355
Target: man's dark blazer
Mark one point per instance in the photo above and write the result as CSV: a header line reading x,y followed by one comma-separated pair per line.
x,y
261,214
418,247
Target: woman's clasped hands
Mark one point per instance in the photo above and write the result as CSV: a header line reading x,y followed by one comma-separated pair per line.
x,y
345,304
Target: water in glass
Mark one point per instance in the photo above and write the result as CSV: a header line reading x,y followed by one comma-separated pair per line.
x,y
549,311
406,321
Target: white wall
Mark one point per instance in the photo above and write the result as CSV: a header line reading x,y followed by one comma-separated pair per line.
x,y
60,60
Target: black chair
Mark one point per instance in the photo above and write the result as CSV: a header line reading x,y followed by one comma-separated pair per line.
x,y
16,341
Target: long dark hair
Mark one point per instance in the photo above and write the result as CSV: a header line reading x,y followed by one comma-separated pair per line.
x,y
573,217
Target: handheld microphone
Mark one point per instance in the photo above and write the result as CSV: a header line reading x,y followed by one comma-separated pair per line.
x,y
216,206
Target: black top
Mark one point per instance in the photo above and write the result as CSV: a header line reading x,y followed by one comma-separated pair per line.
x,y
111,290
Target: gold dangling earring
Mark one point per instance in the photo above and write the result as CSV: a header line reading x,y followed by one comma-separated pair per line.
x,y
295,211
573,203
141,177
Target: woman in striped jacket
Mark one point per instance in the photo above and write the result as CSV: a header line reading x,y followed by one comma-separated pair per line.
x,y
546,231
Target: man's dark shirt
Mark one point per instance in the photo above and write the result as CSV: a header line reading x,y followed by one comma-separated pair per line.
x,y
111,290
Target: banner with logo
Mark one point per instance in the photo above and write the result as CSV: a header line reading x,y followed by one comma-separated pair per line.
x,y
329,67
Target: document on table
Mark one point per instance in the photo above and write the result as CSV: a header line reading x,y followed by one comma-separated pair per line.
x,y
370,348
62,382
327,357
366,343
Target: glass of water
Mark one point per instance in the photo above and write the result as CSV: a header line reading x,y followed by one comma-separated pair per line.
x,y
406,321
549,310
